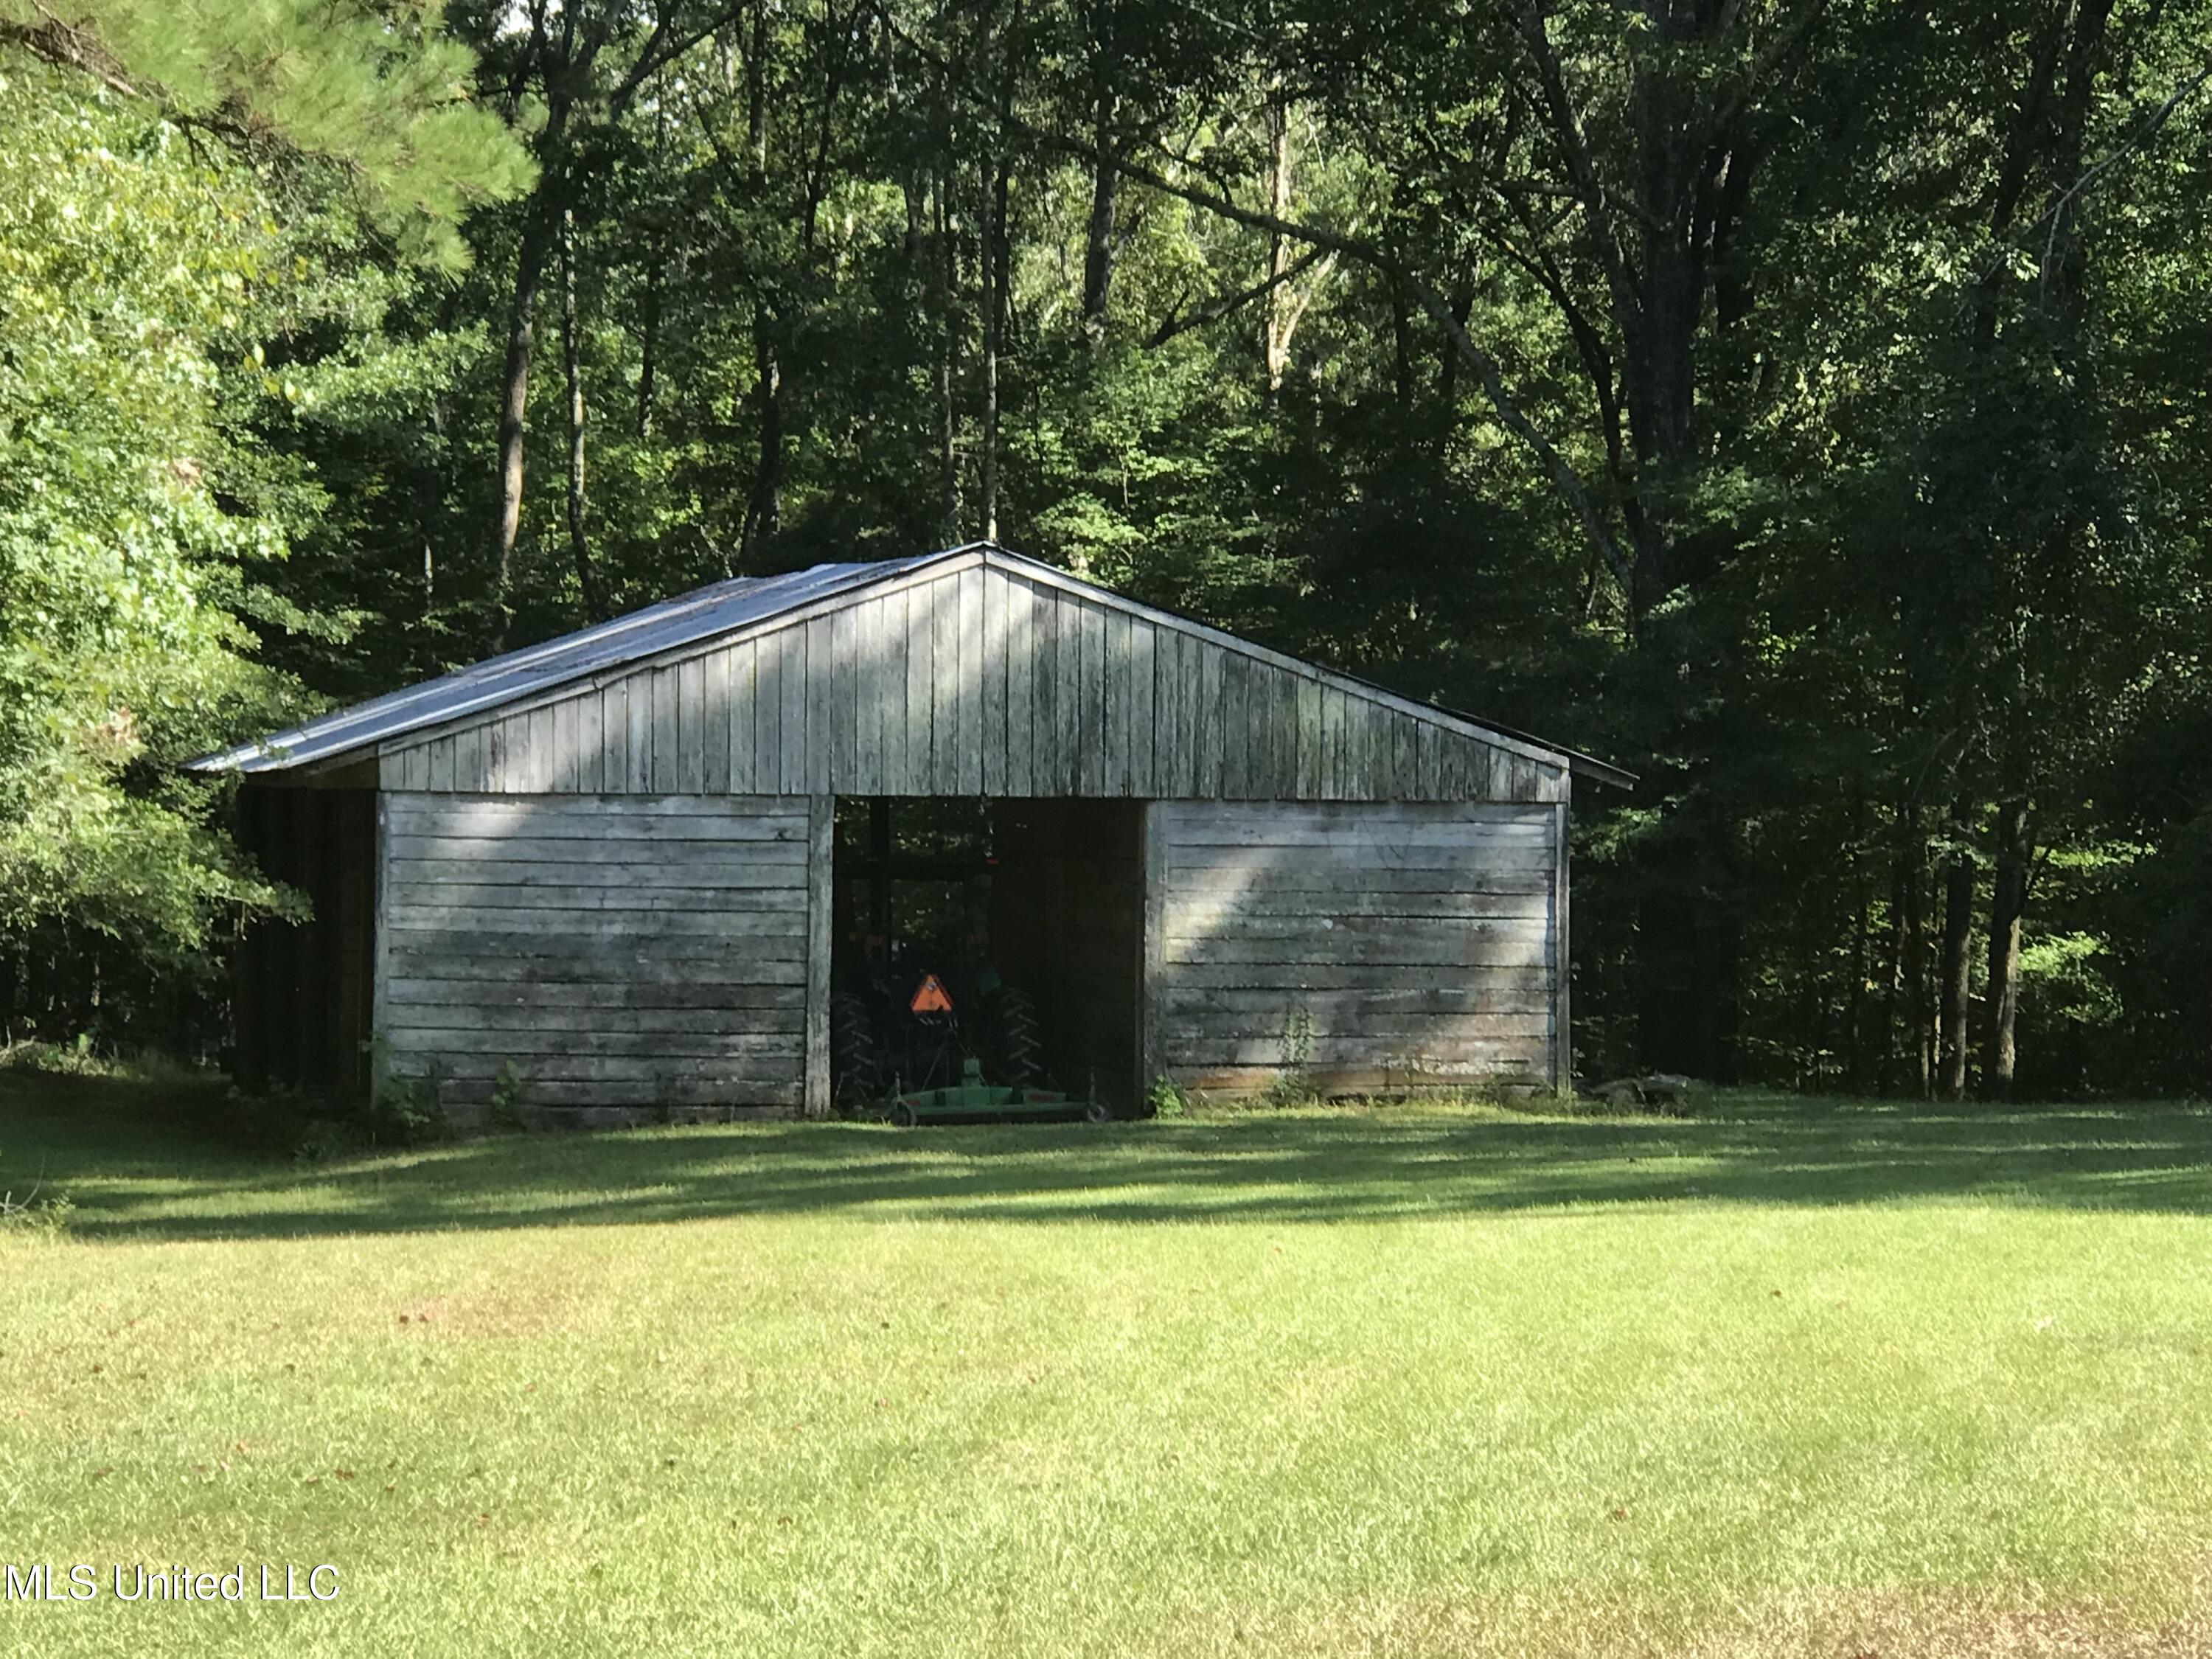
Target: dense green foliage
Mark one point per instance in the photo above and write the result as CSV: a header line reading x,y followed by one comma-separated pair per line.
x,y
1789,1380
1799,404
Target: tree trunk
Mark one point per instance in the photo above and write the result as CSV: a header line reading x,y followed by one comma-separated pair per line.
x,y
1279,318
1402,352
764,508
764,511
1957,966
1908,959
1854,1002
995,262
946,282
572,361
2008,904
756,91
1099,238
648,349
514,400
429,498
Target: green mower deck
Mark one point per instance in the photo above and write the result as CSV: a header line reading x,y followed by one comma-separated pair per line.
x,y
974,1100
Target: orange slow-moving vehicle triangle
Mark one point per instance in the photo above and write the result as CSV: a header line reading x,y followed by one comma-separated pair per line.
x,y
930,998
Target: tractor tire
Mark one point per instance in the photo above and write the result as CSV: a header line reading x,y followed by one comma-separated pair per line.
x,y
855,1075
1020,1047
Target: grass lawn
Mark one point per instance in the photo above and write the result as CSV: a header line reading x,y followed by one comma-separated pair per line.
x,y
1793,1377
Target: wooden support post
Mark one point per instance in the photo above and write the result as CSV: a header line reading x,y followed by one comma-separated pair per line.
x,y
380,946
820,828
1563,1033
1151,950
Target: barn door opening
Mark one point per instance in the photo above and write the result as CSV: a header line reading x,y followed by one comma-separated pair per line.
x,y
1025,916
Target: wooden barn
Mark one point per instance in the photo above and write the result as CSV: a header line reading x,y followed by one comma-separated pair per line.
x,y
628,870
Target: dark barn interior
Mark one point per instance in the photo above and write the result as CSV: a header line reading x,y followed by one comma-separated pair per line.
x,y
1039,898
302,995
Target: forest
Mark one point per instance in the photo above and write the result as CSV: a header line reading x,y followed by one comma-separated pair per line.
x,y
1802,403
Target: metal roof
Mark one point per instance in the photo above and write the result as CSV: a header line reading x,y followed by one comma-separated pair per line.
x,y
700,613
721,608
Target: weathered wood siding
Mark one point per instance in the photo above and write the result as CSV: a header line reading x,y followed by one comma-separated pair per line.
x,y
976,680
634,952
1417,944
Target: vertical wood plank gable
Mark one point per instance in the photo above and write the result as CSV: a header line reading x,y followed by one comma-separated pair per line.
x,y
967,773
844,698
769,653
1191,716
1075,713
1093,780
1021,647
818,757
1286,780
742,766
992,739
944,686
544,741
590,743
1144,735
1234,732
1208,774
978,681
793,735
562,779
691,727
614,736
1313,740
1170,758
1116,697
667,722
881,669
1046,753
715,728
920,694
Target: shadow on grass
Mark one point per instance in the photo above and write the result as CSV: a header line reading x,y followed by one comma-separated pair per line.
x,y
120,1154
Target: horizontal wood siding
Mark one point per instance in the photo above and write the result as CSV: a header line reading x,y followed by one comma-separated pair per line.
x,y
614,951
1401,946
979,680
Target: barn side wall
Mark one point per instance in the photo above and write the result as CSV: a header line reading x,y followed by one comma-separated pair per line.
x,y
1376,948
977,681
639,953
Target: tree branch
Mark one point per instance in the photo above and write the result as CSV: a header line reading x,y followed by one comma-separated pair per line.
x,y
2120,152
1224,305
55,42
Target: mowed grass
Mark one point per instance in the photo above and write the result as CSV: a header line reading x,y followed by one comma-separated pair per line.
x,y
1791,1378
